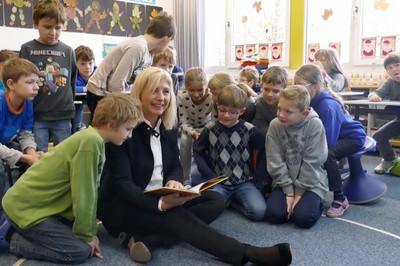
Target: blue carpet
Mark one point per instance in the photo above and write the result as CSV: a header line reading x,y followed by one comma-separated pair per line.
x,y
366,235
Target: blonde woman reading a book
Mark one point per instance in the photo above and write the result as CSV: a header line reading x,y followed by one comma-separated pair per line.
x,y
150,159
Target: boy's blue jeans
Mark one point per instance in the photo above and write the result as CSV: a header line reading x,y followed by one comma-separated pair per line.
x,y
59,129
246,198
51,240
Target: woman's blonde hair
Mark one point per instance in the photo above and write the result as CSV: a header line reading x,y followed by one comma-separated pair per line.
x,y
149,79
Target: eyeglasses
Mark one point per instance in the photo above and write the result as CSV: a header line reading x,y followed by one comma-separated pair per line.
x,y
223,111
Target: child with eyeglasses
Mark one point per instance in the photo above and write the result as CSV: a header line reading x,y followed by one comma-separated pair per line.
x,y
226,146
222,79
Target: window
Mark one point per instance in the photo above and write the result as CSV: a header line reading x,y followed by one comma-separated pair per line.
x,y
362,31
377,32
214,40
328,25
230,23
257,24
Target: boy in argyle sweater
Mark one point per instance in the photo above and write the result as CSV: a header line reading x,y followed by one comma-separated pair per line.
x,y
226,147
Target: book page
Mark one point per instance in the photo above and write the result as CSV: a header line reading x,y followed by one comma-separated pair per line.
x,y
196,190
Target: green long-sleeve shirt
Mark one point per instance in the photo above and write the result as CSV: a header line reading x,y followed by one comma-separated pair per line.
x,y
63,182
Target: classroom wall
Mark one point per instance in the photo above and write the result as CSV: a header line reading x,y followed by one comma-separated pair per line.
x,y
12,38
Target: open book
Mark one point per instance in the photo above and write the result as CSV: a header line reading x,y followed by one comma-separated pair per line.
x,y
196,190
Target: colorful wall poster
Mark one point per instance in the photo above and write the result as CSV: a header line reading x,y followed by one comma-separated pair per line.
x,y
250,50
276,52
335,46
239,52
117,18
18,13
388,45
263,50
74,10
312,48
135,13
368,47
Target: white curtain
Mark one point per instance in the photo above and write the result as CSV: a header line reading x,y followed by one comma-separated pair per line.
x,y
189,41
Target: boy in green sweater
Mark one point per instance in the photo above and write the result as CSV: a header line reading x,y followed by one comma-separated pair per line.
x,y
50,213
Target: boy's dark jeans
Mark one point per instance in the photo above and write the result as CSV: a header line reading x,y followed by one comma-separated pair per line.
x,y
343,148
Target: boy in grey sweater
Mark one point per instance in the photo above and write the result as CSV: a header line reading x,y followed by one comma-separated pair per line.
x,y
296,150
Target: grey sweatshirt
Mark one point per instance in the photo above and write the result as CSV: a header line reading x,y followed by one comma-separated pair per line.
x,y
295,155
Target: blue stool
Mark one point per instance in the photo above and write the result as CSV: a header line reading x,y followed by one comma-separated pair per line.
x,y
359,187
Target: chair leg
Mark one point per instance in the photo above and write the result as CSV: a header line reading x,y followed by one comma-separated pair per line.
x,y
361,188
9,175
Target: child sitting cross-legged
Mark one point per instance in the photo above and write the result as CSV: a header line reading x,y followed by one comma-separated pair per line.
x,y
225,147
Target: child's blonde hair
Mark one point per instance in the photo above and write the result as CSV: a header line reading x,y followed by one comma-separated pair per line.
x,y
220,80
52,9
195,74
250,73
331,58
298,95
84,53
15,68
276,75
6,54
247,89
232,96
116,109
149,79
168,54
313,74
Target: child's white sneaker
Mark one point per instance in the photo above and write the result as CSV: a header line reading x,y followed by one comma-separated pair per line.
x,y
384,166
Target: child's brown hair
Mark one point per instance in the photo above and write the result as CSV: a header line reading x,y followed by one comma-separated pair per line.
x,y
250,73
117,109
276,75
16,68
232,96
6,54
168,54
195,74
162,25
52,9
84,53
392,58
